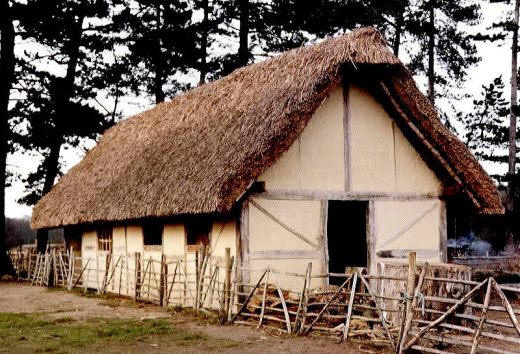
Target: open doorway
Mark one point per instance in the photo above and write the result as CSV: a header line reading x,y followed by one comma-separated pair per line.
x,y
346,235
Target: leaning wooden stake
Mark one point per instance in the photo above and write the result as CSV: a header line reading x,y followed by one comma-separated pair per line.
x,y
507,305
444,316
299,311
264,295
173,282
476,337
249,297
381,317
80,274
306,299
410,313
307,330
350,305
284,306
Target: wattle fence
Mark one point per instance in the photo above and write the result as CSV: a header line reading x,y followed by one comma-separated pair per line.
x,y
402,311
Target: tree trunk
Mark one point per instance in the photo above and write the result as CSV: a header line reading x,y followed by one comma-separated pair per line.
x,y
431,55
158,79
51,163
204,43
7,66
512,121
398,31
243,50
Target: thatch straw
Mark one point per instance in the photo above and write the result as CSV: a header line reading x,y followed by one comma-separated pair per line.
x,y
199,152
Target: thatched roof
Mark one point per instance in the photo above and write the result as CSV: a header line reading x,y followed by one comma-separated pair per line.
x,y
199,152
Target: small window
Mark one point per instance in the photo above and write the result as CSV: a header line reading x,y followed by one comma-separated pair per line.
x,y
152,234
197,233
105,239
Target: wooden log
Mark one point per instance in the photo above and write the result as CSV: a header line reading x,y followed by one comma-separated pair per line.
x,y
470,317
443,316
249,297
429,350
476,337
349,309
410,311
455,341
264,295
507,305
307,330
284,306
497,336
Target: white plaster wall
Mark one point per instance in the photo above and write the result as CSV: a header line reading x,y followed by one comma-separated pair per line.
x,y
408,225
381,158
174,240
316,159
134,238
267,235
223,235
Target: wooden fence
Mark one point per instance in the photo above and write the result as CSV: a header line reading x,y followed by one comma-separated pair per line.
x,y
479,316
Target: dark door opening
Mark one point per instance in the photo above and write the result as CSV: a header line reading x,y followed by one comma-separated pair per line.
x,y
346,236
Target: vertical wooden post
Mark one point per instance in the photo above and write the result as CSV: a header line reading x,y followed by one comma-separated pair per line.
x,y
162,280
410,285
306,299
483,316
227,283
71,269
137,277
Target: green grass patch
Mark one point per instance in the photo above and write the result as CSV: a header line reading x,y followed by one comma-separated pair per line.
x,y
21,333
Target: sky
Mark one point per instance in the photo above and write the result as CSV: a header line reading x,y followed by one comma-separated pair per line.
x,y
496,60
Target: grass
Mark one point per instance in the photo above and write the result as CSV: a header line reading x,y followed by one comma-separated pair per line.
x,y
21,333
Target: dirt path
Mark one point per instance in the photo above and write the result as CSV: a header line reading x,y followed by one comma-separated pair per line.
x,y
56,304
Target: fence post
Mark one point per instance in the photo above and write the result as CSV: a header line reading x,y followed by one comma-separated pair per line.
x,y
162,279
137,274
410,286
227,282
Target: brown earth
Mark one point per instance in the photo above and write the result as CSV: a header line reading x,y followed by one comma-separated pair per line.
x,y
58,304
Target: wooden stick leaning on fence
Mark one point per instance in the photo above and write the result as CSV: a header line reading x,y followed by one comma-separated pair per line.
x,y
264,295
80,274
379,311
284,306
107,281
444,316
307,330
249,297
350,304
410,312
478,332
301,302
507,305
306,299
173,282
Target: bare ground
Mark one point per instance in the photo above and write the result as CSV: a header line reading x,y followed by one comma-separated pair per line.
x,y
57,304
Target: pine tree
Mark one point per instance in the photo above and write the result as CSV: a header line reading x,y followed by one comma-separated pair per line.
x,y
56,110
161,38
486,125
436,28
7,68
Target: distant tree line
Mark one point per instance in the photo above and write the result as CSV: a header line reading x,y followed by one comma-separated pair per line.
x,y
67,65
